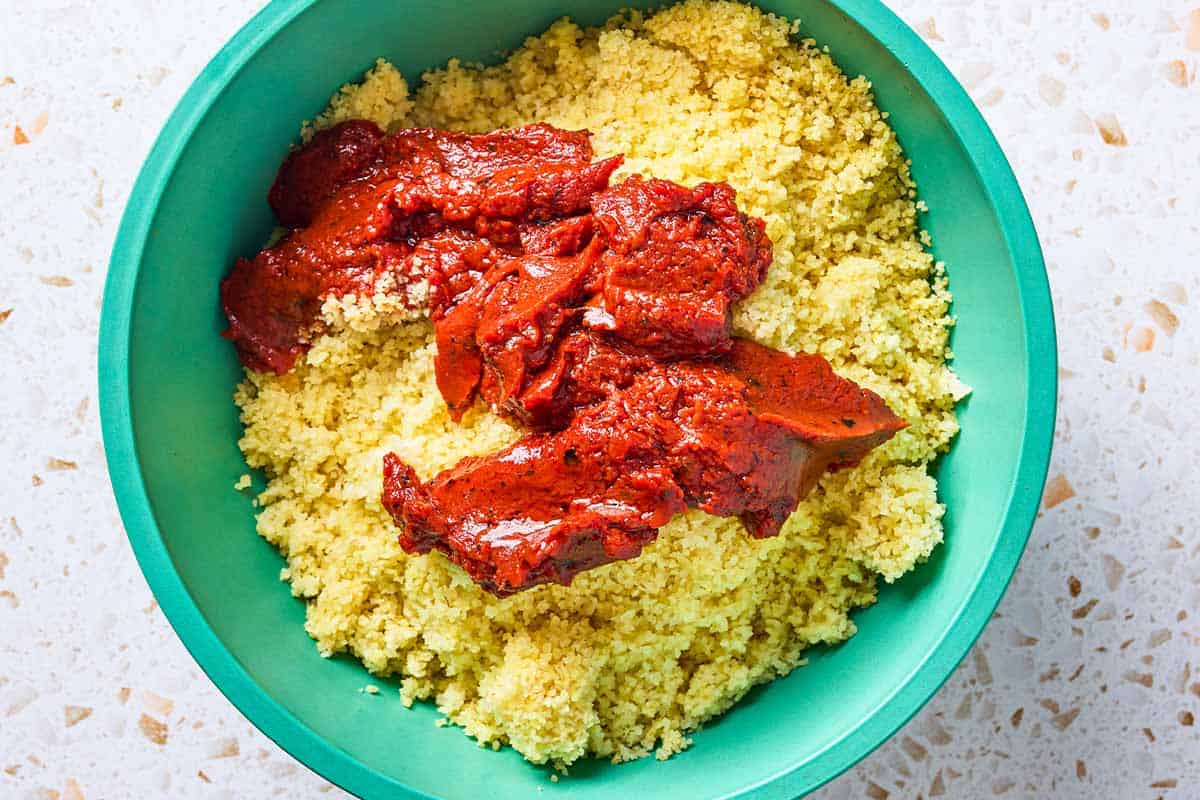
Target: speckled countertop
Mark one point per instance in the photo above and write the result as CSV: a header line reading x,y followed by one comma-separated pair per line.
x,y
1087,682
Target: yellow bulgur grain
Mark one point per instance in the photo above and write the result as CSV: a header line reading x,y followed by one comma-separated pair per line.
x,y
634,655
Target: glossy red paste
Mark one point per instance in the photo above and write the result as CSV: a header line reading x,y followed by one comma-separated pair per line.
x,y
598,316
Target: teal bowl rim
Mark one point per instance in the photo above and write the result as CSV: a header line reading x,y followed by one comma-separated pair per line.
x,y
339,766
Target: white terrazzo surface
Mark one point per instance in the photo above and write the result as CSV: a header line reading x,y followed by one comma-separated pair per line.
x,y
1086,684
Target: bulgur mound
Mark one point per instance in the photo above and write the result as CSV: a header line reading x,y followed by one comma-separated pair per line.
x,y
635,655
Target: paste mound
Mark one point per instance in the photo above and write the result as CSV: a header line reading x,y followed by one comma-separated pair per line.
x,y
634,655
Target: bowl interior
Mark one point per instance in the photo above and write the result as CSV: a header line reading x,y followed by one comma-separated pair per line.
x,y
172,429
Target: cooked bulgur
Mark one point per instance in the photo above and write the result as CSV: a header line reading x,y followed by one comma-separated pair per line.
x,y
635,655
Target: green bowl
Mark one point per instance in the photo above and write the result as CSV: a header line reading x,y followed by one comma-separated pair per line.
x,y
171,430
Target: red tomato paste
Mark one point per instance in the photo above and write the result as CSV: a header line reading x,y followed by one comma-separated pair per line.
x,y
598,316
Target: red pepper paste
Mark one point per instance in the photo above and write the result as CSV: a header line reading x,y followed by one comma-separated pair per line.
x,y
598,316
